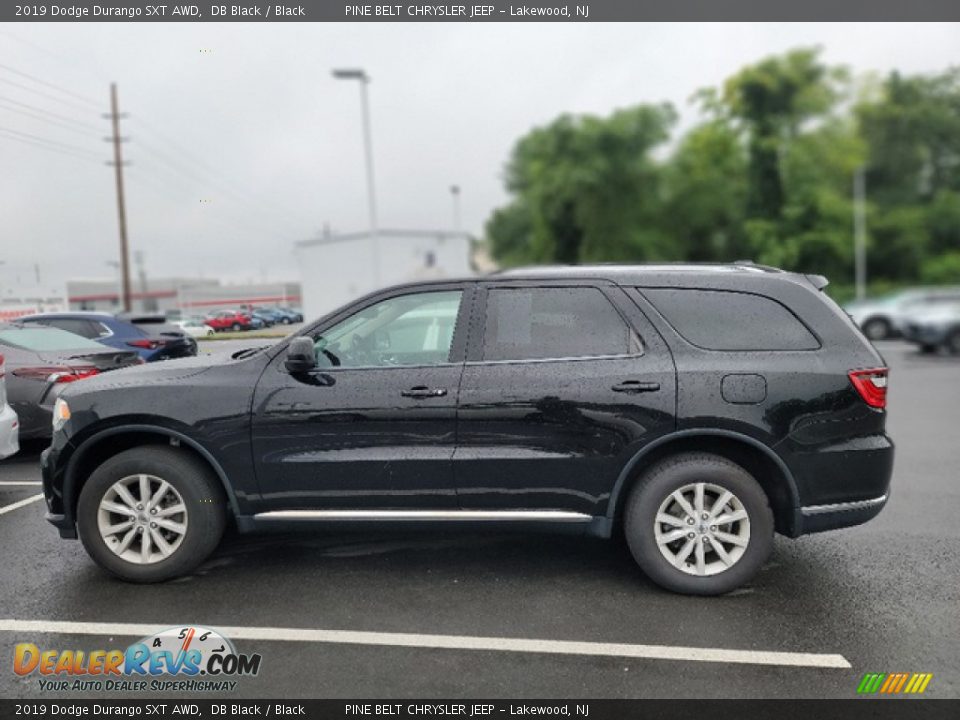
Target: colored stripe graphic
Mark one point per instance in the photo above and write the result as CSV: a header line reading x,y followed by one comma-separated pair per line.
x,y
894,683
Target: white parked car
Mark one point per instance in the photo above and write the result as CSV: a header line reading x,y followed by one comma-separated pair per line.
x,y
884,317
195,327
9,426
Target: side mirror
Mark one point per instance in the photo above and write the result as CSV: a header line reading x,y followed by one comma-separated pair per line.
x,y
300,355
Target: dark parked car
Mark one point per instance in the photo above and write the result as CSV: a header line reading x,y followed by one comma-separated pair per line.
x,y
694,409
41,361
288,315
150,336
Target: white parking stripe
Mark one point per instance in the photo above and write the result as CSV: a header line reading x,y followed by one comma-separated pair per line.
x,y
11,483
20,503
449,642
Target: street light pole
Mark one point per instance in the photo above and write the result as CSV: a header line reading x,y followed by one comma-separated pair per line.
x,y
860,232
361,75
455,192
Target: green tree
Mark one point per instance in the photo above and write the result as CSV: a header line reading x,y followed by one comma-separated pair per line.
x,y
705,190
772,100
585,189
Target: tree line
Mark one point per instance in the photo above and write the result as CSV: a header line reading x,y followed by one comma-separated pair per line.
x,y
766,175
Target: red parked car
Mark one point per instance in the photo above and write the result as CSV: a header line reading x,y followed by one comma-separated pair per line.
x,y
228,320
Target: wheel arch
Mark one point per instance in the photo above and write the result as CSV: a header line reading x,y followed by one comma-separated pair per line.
x,y
757,458
103,445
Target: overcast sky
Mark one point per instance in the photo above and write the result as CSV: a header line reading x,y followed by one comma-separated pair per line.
x,y
257,129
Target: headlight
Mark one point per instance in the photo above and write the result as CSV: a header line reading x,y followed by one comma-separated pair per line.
x,y
61,413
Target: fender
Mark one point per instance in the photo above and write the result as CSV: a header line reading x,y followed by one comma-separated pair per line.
x,y
70,475
699,432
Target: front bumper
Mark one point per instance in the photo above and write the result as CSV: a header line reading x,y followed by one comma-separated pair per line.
x,y
924,334
52,472
9,432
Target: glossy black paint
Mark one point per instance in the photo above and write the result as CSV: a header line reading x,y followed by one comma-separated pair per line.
x,y
545,434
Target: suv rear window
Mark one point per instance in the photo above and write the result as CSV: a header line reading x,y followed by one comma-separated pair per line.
x,y
544,323
724,320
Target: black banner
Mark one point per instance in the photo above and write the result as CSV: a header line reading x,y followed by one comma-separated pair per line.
x,y
479,11
853,709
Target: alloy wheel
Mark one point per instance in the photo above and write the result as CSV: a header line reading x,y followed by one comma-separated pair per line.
x,y
702,529
142,519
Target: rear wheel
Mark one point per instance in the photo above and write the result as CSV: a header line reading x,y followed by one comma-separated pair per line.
x,y
236,327
698,524
151,513
877,329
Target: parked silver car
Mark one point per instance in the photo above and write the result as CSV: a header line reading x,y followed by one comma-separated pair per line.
x,y
884,317
41,361
934,326
9,424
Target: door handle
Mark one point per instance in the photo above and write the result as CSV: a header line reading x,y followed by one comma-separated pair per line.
x,y
422,391
635,386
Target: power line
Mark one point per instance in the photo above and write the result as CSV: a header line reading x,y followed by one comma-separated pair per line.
x,y
44,111
4,133
226,183
249,203
35,116
71,103
37,80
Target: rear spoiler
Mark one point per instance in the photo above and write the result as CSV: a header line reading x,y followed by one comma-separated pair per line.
x,y
818,281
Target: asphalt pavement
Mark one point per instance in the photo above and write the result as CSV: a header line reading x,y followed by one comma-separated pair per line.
x,y
884,597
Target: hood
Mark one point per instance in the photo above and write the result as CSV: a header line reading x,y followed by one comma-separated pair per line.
x,y
156,372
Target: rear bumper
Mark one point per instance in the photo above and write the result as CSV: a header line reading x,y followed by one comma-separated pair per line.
x,y
817,518
842,484
9,432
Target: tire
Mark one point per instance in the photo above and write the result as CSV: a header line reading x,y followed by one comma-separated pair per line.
x,y
877,329
193,484
952,342
653,494
928,349
236,327
285,321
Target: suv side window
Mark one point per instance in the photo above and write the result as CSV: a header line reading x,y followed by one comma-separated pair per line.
x,y
726,320
408,330
554,322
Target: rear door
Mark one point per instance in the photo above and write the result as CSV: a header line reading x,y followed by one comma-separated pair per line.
x,y
564,382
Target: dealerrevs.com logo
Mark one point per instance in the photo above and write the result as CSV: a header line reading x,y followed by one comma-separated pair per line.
x,y
189,658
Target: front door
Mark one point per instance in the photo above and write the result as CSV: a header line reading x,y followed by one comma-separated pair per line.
x,y
374,425
563,386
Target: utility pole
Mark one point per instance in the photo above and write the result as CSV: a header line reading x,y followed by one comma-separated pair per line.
x,y
121,204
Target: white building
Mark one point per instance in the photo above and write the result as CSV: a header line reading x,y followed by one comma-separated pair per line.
x,y
339,268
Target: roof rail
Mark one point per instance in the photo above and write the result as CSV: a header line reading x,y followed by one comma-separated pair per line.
x,y
751,263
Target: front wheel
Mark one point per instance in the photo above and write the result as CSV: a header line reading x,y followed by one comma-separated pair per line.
x,y
151,513
698,524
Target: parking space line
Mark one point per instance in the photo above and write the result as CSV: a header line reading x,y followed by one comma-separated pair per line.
x,y
12,483
20,503
450,642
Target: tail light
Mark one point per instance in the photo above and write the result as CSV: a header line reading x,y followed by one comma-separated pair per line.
x,y
146,344
56,373
871,385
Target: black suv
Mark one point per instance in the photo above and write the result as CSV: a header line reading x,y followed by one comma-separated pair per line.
x,y
694,409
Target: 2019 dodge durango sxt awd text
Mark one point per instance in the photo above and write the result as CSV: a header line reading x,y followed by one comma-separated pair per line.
x,y
694,409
